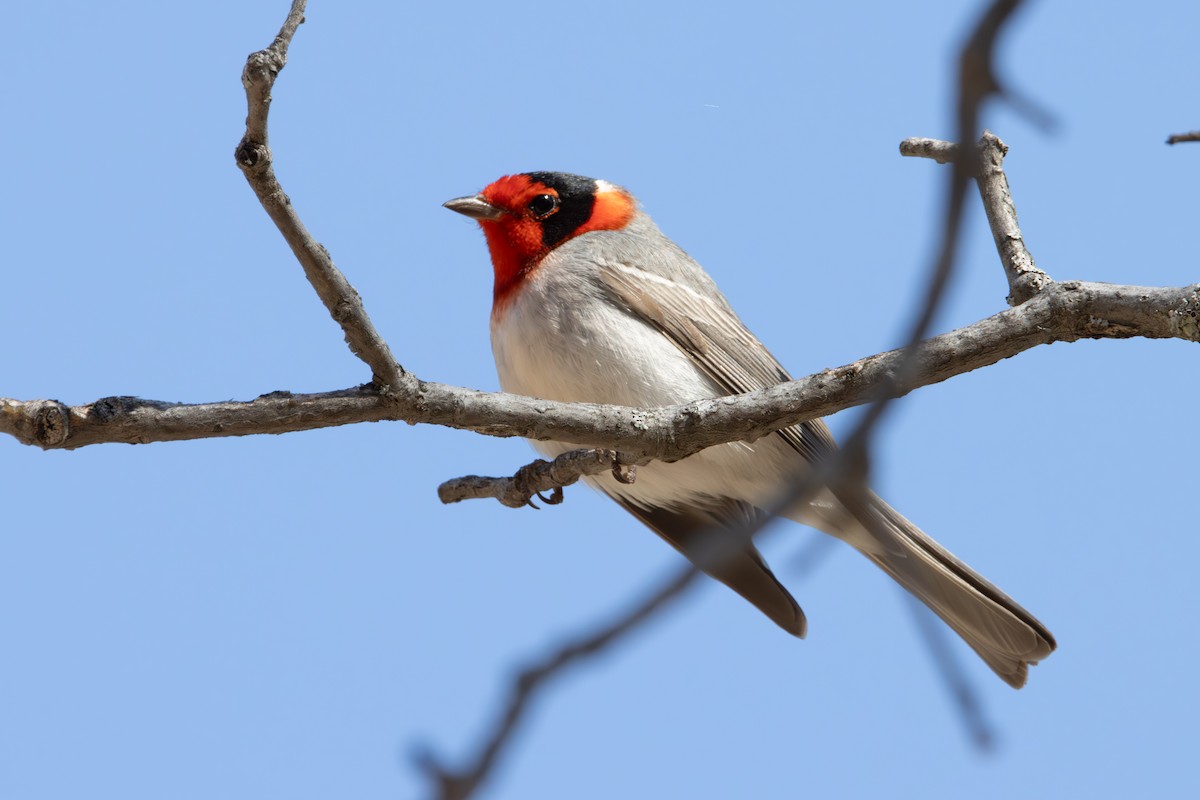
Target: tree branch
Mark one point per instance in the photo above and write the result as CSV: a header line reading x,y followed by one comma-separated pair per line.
x,y
255,160
541,476
1025,279
1062,312
1190,136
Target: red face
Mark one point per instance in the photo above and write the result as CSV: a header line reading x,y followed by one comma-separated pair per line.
x,y
541,210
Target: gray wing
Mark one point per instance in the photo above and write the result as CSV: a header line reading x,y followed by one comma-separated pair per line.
x,y
703,325
697,326
710,333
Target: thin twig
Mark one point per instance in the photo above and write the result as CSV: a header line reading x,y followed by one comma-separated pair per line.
x,y
540,476
935,149
255,160
1190,136
1025,279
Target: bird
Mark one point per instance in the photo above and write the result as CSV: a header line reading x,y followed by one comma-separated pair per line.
x,y
592,303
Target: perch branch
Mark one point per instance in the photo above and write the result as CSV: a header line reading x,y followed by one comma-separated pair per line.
x,y
1062,312
540,476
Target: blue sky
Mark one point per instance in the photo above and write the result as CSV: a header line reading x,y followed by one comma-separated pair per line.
x,y
295,616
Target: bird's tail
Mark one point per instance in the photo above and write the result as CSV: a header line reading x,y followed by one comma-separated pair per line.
x,y
1006,636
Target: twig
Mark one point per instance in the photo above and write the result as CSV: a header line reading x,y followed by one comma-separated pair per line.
x,y
255,160
1190,136
1025,279
935,149
540,476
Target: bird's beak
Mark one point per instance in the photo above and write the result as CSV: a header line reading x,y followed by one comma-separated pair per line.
x,y
474,207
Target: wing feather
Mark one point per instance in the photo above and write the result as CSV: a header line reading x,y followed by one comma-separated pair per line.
x,y
710,333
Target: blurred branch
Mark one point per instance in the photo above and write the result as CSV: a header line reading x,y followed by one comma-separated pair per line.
x,y
936,637
976,83
718,546
845,472
1190,136
530,682
1045,312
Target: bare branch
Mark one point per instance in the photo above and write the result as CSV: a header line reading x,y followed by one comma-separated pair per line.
x,y
1190,136
936,149
976,83
1062,312
130,420
1025,279
255,160
540,476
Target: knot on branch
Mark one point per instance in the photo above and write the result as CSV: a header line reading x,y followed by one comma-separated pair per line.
x,y
45,423
51,423
252,156
262,67
1027,286
1184,320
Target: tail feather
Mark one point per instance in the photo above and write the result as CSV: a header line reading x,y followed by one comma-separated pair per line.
x,y
1006,636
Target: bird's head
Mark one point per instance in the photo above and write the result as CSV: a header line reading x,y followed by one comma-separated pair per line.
x,y
526,216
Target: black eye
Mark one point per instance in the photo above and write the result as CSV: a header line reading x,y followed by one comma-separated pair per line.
x,y
543,205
